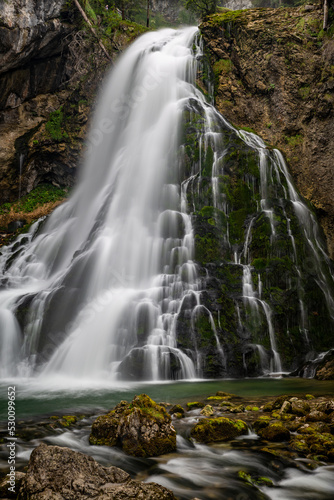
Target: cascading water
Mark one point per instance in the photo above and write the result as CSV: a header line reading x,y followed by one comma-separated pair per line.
x,y
156,268
101,284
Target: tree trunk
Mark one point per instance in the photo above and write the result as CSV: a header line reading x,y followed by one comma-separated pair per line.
x,y
325,14
82,12
148,14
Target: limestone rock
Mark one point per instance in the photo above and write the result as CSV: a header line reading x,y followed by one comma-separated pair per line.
x,y
62,474
141,428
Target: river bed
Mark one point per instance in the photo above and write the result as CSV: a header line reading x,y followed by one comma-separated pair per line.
x,y
227,471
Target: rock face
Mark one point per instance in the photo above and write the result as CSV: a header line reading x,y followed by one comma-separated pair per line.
x,y
50,72
60,473
169,8
142,428
274,72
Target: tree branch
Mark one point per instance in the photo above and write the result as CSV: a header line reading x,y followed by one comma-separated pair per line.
x,y
82,12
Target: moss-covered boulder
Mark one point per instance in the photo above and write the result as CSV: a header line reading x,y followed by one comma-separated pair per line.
x,y
314,445
300,407
176,409
317,416
261,423
275,432
141,428
194,405
207,411
218,429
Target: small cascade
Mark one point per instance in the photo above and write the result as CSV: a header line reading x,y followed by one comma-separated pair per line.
x,y
21,161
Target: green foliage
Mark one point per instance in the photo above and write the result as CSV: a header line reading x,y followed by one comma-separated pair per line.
x,y
54,125
42,194
293,140
202,7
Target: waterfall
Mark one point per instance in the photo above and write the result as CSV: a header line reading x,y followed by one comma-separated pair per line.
x,y
106,275
156,267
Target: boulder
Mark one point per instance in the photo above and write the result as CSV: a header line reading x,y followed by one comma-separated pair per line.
x,y
275,432
261,423
4,485
300,408
141,428
176,409
218,429
207,411
56,473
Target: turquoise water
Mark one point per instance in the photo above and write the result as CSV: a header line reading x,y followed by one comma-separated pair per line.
x,y
33,399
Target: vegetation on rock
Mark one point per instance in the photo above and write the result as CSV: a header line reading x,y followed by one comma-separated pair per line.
x,y
141,428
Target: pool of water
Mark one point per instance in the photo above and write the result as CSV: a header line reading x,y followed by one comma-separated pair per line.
x,y
35,397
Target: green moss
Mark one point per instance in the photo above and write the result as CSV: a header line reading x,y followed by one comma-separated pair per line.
x,y
218,429
293,140
194,405
222,66
55,126
304,91
218,398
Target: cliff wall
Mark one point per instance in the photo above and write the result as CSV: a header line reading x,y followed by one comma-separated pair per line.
x,y
274,73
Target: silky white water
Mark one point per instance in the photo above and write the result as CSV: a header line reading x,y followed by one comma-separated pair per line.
x,y
115,261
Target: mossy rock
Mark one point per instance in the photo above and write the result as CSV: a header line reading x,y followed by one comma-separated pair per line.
x,y
218,429
214,398
237,409
300,408
261,423
142,428
275,432
225,394
207,411
252,408
176,409
195,405
68,420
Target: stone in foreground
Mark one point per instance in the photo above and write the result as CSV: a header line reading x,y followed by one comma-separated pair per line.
x,y
141,428
63,474
218,429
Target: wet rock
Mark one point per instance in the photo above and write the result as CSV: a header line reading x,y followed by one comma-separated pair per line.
x,y
195,405
326,407
265,87
261,423
237,409
4,485
61,473
223,394
300,407
317,416
275,432
17,224
176,409
207,411
286,407
141,428
218,429
312,443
